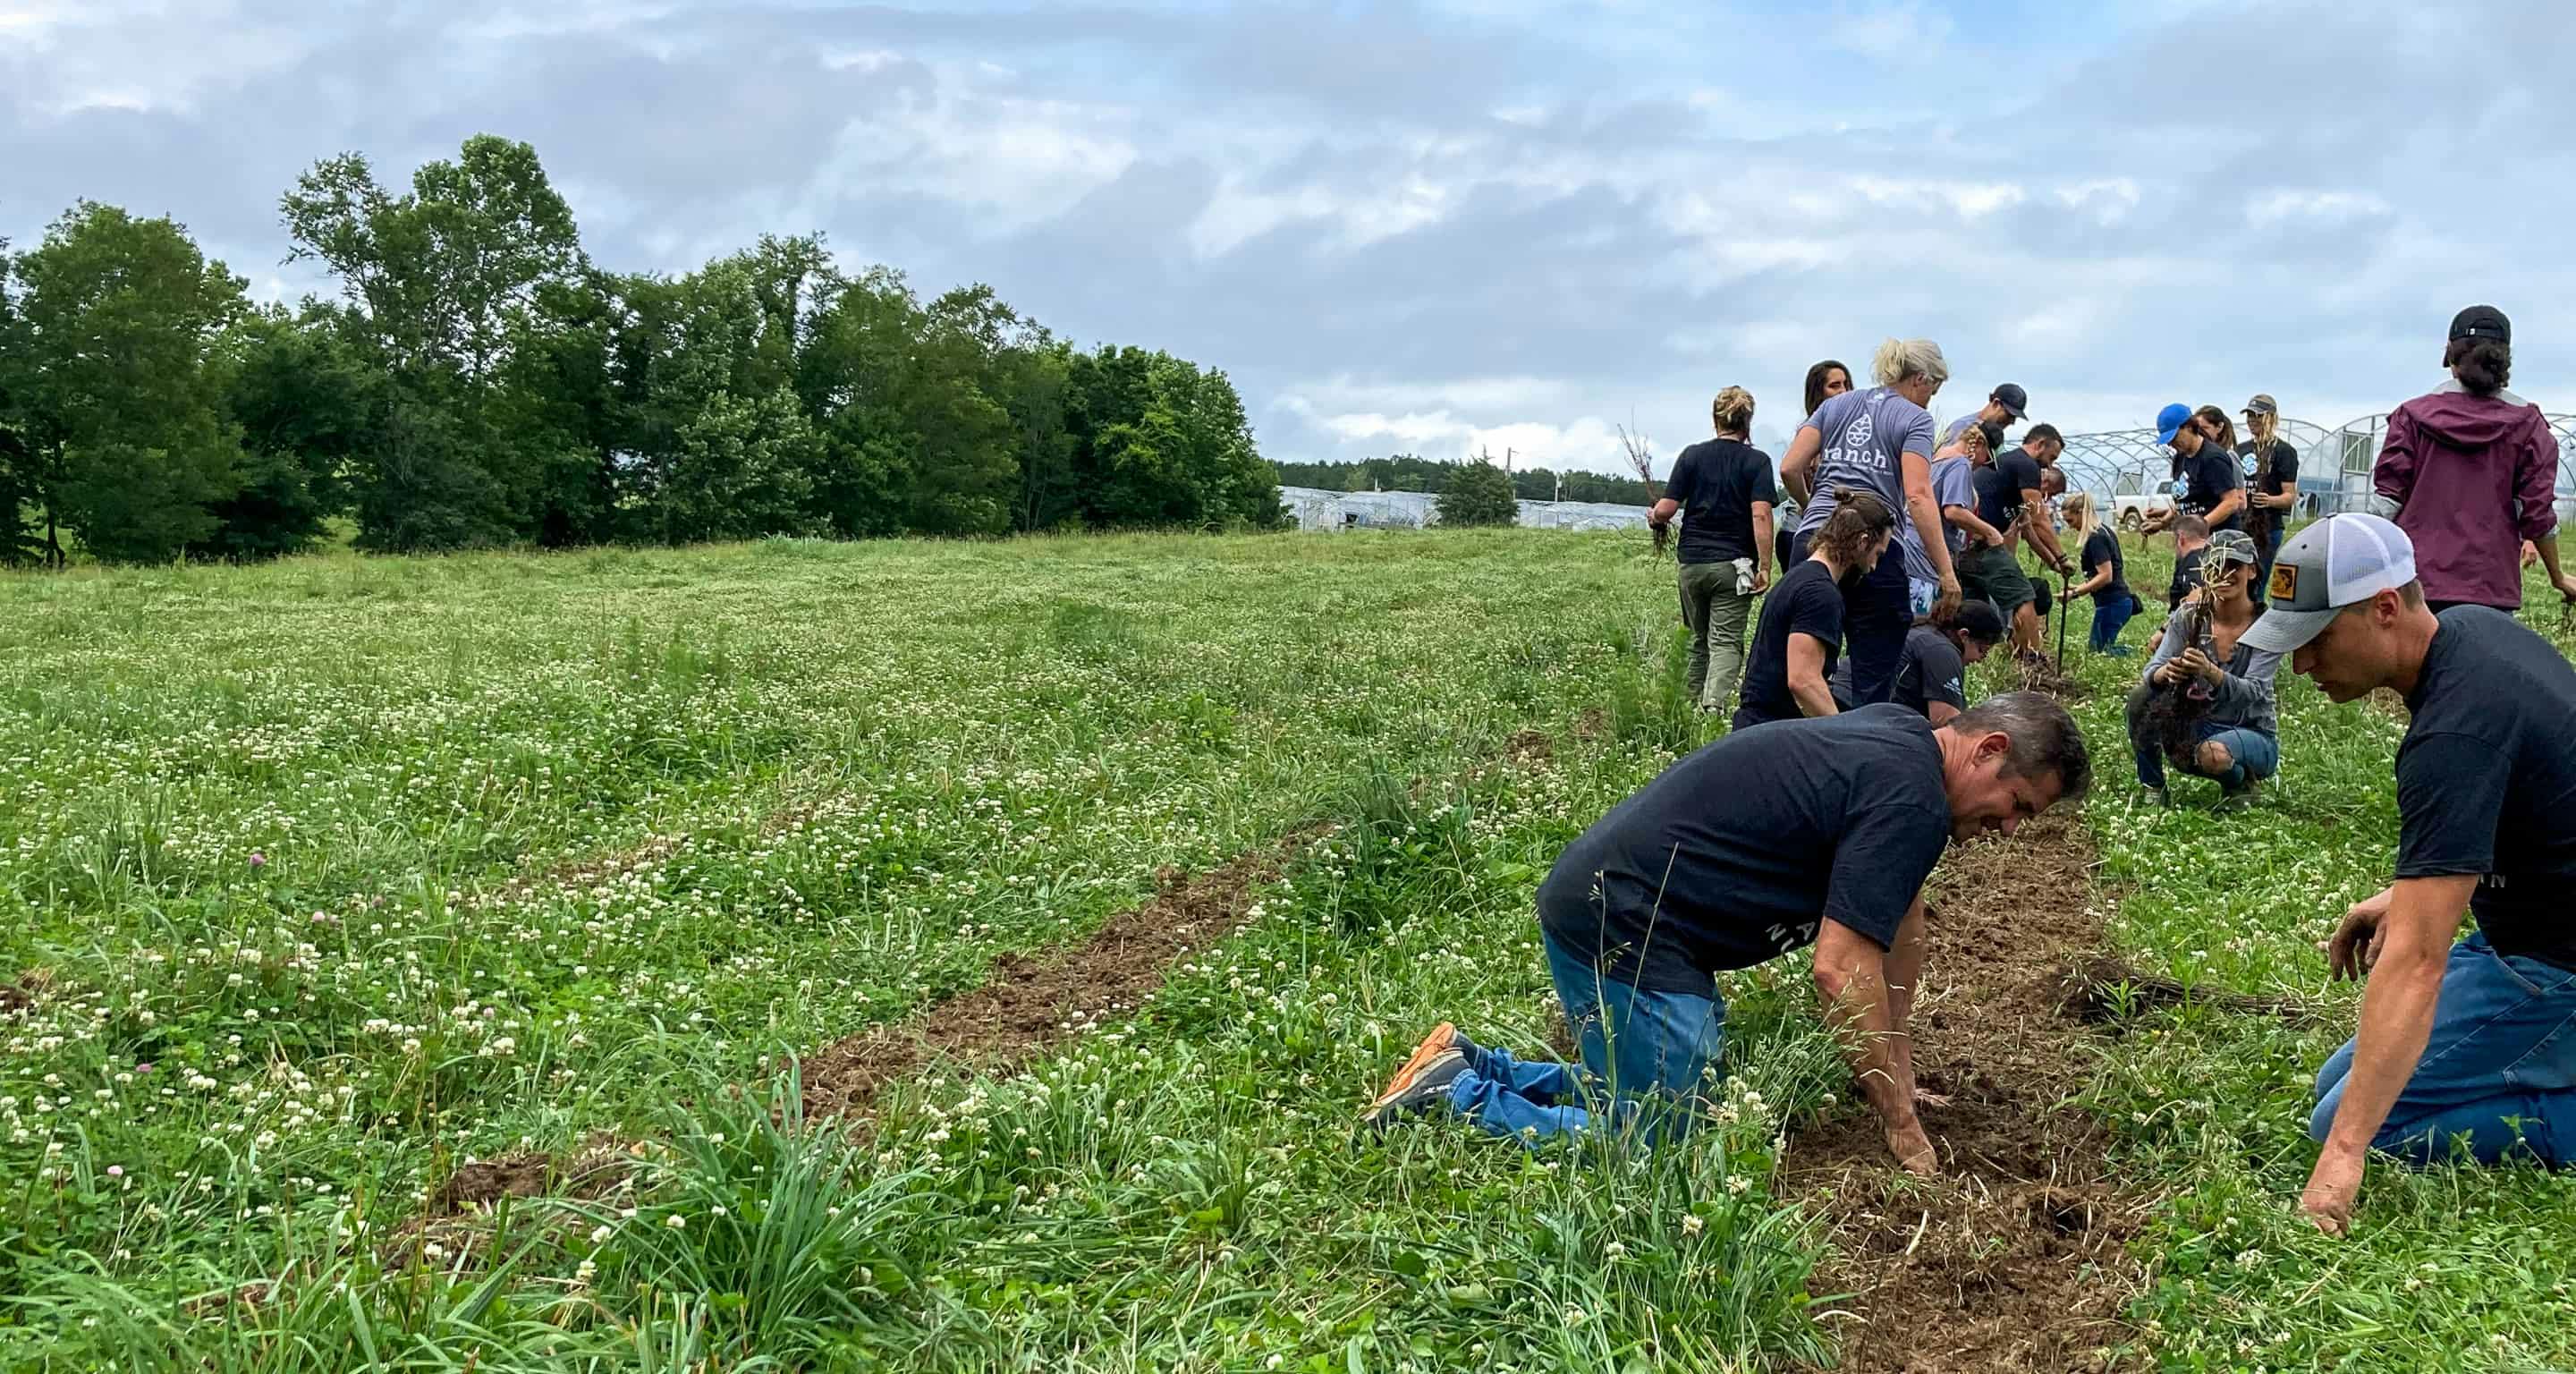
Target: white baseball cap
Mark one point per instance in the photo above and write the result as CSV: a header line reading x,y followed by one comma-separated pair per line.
x,y
2336,562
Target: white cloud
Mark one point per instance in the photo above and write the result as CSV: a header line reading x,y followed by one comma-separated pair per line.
x,y
2276,206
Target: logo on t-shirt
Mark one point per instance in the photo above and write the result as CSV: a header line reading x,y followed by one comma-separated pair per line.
x,y
2285,582
1858,443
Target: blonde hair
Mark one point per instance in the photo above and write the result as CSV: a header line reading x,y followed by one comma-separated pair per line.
x,y
2081,520
2262,430
1732,412
1898,360
1972,436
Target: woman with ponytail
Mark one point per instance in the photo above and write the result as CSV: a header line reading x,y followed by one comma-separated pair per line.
x,y
1722,489
2271,483
1880,441
2470,471
1790,670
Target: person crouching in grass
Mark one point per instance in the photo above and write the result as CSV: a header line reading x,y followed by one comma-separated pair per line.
x,y
2237,739
1796,833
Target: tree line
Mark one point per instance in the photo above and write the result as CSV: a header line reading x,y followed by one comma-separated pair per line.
x,y
1410,472
479,381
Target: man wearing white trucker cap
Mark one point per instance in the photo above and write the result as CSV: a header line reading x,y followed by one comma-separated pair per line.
x,y
2466,1048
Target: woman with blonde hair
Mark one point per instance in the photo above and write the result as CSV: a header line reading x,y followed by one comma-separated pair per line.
x,y
2271,482
1880,441
2105,575
1722,489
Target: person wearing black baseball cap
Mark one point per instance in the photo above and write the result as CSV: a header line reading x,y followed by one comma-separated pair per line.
x,y
2469,471
2462,1047
2005,406
1932,673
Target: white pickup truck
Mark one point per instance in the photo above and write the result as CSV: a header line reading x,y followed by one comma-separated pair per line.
x,y
2134,497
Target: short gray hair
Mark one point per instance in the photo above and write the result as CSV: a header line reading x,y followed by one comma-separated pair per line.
x,y
1898,360
2045,739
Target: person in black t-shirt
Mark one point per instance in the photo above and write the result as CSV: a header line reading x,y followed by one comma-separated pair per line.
x,y
1722,489
2106,577
1801,631
1807,832
2271,469
1932,673
2191,542
2207,482
2463,1048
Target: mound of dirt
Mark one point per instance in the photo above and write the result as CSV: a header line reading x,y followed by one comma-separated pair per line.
x,y
2012,1258
1035,1002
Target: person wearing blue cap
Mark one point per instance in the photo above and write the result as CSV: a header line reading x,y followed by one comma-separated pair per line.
x,y
2464,1049
2207,479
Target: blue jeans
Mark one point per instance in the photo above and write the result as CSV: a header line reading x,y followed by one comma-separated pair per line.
x,y
1639,1049
2256,755
2109,618
2499,1070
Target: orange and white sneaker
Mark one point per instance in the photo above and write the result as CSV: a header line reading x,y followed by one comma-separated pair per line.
x,y
1434,1065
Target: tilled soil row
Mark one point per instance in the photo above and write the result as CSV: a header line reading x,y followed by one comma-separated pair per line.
x,y
1031,1004
2013,1257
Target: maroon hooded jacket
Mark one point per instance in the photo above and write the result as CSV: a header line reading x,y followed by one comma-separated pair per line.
x,y
2473,476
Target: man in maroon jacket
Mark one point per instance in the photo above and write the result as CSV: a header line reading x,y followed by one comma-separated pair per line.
x,y
2470,472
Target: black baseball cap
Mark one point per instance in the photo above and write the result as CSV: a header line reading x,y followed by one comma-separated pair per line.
x,y
2482,322
2016,400
1980,621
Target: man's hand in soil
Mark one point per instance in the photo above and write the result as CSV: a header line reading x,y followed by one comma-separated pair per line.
x,y
1854,980
1913,1149
2332,1187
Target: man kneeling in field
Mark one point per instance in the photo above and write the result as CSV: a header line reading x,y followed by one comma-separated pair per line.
x,y
2468,1046
1796,832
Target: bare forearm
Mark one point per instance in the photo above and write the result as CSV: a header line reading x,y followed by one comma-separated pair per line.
x,y
1960,517
2547,547
1858,1011
2227,507
1763,538
1814,697
2396,1020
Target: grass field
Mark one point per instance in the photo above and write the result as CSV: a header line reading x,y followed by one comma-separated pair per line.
x,y
326,880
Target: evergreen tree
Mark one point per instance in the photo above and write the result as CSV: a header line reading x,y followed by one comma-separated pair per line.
x,y
1479,494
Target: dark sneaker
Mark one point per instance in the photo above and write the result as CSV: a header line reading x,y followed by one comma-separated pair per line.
x,y
1442,1039
1420,1085
2234,800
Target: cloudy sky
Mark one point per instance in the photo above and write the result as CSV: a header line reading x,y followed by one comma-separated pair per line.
x,y
1438,227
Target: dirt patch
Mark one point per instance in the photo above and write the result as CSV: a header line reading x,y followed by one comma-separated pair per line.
x,y
2039,673
2013,1257
593,1173
1530,747
21,993
2390,703
1033,1003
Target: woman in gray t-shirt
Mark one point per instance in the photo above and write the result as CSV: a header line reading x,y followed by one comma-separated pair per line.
x,y
1880,441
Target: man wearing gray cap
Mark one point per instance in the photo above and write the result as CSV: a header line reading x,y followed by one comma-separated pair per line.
x,y
2271,482
2464,1049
